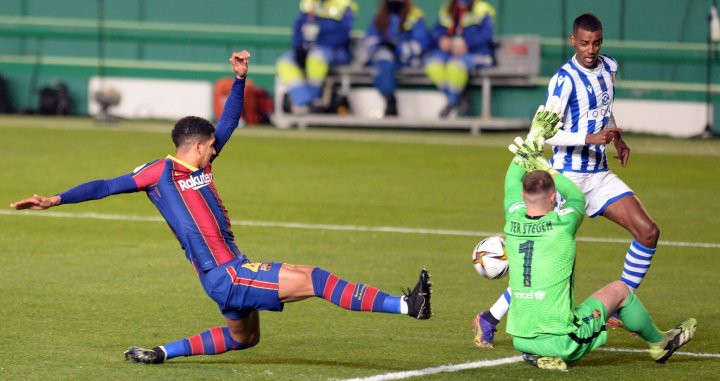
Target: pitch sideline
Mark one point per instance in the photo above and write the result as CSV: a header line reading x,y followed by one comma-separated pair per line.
x,y
358,228
497,362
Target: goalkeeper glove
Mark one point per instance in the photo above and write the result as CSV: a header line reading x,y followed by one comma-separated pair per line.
x,y
529,155
546,121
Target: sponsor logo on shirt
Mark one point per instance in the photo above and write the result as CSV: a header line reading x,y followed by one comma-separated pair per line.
x,y
537,295
605,99
196,182
560,80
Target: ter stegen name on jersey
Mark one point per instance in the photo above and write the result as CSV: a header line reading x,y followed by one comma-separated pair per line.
x,y
530,227
196,182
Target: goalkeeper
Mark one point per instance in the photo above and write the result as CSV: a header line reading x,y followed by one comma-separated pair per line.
x,y
546,324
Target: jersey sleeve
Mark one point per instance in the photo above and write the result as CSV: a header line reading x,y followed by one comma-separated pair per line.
x,y
231,114
97,189
574,206
561,87
513,187
138,180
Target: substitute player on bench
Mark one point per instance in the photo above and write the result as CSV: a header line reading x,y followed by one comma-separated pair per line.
x,y
546,324
181,187
585,87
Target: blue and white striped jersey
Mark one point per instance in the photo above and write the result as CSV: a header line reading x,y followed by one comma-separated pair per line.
x,y
586,99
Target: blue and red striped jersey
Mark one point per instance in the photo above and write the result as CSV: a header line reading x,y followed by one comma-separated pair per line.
x,y
185,196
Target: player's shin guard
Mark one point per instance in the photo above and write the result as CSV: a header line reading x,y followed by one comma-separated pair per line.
x,y
636,318
637,263
214,341
352,296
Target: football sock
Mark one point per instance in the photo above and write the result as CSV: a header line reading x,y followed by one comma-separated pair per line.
x,y
636,318
501,306
355,296
488,316
214,341
637,263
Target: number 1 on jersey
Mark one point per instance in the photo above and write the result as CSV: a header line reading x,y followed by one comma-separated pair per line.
x,y
527,249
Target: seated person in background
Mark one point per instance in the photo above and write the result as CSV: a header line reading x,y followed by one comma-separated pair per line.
x,y
397,37
462,39
321,38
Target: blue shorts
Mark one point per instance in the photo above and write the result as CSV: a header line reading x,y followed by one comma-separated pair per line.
x,y
240,287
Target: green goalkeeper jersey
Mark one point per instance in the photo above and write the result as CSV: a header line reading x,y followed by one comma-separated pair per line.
x,y
541,255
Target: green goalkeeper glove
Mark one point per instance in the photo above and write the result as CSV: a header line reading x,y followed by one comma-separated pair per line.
x,y
546,121
529,155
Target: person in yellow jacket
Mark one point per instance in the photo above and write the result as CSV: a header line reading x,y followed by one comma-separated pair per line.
x,y
397,37
321,39
462,42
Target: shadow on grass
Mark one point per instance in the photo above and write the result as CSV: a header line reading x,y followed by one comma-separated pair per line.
x,y
288,361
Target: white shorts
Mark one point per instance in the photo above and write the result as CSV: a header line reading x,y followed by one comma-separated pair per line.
x,y
601,189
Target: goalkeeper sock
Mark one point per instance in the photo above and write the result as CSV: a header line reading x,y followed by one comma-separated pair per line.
x,y
637,263
636,318
355,296
214,341
501,306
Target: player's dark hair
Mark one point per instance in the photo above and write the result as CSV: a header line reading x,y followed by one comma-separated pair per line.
x,y
538,182
190,128
587,21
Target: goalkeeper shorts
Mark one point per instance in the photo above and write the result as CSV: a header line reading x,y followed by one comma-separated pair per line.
x,y
588,336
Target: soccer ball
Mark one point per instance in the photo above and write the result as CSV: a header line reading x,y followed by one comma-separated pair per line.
x,y
489,258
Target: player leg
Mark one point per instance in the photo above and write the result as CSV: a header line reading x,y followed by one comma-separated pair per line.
x,y
301,282
485,323
237,335
617,296
629,213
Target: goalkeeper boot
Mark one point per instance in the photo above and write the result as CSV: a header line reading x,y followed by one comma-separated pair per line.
x,y
145,356
484,330
674,340
545,362
418,300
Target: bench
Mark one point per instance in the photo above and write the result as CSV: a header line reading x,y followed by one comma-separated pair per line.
x,y
518,64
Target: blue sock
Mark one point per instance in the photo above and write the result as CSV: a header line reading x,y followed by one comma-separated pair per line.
x,y
351,296
214,341
637,263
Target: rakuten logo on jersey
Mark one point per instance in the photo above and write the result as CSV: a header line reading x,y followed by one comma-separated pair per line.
x,y
196,182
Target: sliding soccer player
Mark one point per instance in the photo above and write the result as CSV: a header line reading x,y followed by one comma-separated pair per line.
x,y
182,188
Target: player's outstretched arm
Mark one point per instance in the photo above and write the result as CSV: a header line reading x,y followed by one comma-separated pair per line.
x,y
239,62
36,202
234,104
91,190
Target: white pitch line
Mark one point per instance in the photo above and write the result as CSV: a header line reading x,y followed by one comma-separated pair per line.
x,y
630,350
496,362
358,228
439,369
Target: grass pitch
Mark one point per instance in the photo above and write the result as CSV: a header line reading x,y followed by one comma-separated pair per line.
x,y
76,291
